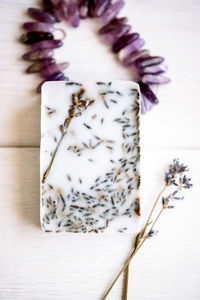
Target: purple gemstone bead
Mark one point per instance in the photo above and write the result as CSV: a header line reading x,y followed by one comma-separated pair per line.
x,y
112,11
136,45
149,61
100,7
124,41
47,45
148,93
83,9
52,69
55,77
155,79
155,69
73,13
38,54
116,33
34,37
41,15
115,23
36,67
52,9
61,6
145,105
38,27
132,57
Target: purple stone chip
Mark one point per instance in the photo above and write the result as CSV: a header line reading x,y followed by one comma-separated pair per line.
x,y
51,44
112,11
150,61
40,15
124,41
155,79
73,13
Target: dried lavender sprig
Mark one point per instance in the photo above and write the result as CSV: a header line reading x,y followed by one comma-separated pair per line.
x,y
175,176
79,104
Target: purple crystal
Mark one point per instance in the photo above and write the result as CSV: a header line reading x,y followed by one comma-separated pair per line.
x,y
61,6
155,69
124,41
49,7
115,23
148,93
38,27
132,57
41,15
112,11
37,66
135,46
46,45
73,13
100,7
55,77
155,79
115,34
38,54
83,9
149,61
34,37
52,69
145,105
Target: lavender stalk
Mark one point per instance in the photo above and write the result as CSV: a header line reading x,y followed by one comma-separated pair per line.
x,y
174,177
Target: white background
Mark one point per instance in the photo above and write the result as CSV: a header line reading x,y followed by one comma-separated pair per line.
x,y
39,266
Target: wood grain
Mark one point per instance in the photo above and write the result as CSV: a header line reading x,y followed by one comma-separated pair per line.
x,y
171,30
35,265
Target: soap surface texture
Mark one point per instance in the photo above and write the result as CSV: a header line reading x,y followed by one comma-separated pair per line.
x,y
89,157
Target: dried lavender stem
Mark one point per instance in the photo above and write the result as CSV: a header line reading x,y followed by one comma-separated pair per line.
x,y
152,210
126,272
140,239
46,173
125,284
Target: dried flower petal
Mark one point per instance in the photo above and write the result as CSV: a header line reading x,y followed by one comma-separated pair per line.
x,y
152,233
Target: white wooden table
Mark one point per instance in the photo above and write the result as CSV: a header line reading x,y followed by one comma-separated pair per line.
x,y
39,266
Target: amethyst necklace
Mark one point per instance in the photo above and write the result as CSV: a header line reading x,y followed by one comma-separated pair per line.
x,y
116,33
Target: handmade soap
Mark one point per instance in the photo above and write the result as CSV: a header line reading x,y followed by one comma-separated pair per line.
x,y
89,159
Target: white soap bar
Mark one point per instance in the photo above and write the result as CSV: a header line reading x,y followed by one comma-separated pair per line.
x,y
89,159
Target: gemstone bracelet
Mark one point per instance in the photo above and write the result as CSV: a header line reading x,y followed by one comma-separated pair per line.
x,y
115,32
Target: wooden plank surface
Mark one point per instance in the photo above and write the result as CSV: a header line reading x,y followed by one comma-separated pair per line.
x,y
171,30
34,265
